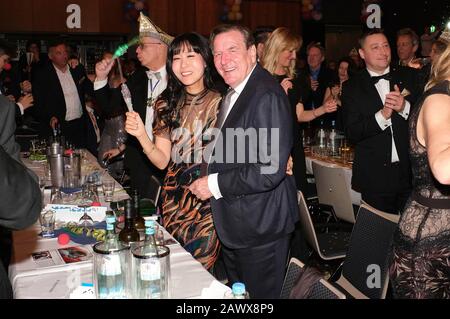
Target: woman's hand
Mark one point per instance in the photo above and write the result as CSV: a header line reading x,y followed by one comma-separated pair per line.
x,y
330,106
111,153
134,125
286,84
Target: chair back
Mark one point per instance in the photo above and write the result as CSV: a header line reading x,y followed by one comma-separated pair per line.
x,y
307,224
365,268
333,190
321,289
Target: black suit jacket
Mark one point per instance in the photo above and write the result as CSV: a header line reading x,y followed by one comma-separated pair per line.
x,y
20,196
256,208
373,146
111,99
49,97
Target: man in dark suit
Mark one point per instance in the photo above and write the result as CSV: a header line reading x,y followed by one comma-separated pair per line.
x,y
145,85
59,93
253,201
376,105
320,77
19,191
9,82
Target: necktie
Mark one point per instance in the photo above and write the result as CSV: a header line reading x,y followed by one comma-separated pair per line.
x,y
386,76
224,108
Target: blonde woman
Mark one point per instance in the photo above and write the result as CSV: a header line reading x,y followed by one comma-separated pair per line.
x,y
279,59
421,251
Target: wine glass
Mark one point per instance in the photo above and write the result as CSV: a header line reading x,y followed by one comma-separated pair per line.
x,y
88,197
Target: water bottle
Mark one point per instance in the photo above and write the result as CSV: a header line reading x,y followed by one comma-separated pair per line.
x,y
238,291
111,265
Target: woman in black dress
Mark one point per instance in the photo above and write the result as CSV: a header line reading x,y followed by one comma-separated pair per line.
x,y
420,267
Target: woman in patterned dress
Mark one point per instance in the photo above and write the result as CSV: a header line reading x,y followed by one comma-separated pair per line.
x,y
185,112
420,265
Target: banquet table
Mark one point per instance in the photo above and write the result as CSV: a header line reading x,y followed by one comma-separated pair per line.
x,y
188,277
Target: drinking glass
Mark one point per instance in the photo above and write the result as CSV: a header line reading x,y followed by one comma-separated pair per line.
x,y
47,220
88,197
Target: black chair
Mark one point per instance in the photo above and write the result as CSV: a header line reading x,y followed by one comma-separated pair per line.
x,y
365,269
329,245
320,289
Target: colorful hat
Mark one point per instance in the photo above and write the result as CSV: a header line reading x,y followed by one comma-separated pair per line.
x,y
148,29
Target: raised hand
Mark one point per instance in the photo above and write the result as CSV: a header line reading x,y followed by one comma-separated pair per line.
x,y
103,68
395,100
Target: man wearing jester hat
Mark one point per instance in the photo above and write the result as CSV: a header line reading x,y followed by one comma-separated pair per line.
x,y
139,93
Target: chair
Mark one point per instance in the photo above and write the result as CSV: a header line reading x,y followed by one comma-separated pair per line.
x,y
330,245
333,190
320,289
368,252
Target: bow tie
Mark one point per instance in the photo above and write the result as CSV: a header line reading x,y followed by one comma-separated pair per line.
x,y
153,74
386,77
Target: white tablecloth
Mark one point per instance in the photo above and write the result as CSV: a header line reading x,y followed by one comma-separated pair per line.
x,y
355,196
188,277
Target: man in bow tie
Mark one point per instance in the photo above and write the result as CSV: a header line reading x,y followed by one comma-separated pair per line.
x,y
145,85
376,105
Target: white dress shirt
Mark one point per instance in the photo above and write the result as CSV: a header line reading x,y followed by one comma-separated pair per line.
x,y
383,88
213,183
73,103
156,85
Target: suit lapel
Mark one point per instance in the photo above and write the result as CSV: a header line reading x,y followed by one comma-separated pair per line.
x,y
241,103
396,79
371,91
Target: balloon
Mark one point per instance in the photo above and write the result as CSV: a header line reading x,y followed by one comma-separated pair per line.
x,y
238,16
236,8
231,16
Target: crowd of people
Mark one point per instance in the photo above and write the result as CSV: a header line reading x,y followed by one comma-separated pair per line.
x,y
233,204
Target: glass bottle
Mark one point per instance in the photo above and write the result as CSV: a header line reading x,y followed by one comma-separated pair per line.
x,y
333,140
148,281
109,265
321,136
238,291
139,221
129,233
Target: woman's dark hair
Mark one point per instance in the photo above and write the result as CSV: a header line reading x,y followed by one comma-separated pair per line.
x,y
175,90
351,70
32,41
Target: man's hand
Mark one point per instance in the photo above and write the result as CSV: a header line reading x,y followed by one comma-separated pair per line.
x,y
200,188
290,166
26,87
26,101
395,100
103,68
314,85
53,122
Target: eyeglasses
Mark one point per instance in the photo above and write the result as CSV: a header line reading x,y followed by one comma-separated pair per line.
x,y
143,45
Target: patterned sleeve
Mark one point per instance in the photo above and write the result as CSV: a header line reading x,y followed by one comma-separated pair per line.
x,y
160,128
